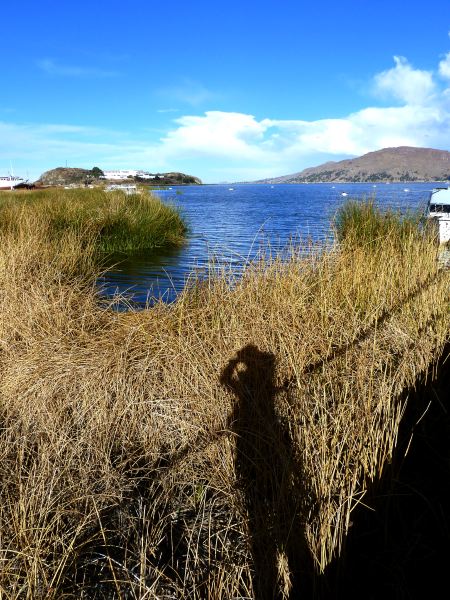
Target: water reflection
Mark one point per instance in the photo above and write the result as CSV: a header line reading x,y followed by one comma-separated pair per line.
x,y
143,277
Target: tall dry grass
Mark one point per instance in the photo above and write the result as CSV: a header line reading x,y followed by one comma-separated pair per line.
x,y
210,449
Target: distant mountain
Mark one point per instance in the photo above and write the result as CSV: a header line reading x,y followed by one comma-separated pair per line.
x,y
390,164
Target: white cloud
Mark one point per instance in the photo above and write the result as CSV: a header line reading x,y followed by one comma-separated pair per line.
x,y
404,83
221,134
444,67
277,142
50,67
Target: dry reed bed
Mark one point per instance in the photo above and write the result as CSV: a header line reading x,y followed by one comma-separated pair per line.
x,y
122,473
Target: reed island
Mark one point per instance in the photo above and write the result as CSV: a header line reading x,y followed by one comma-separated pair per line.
x,y
213,448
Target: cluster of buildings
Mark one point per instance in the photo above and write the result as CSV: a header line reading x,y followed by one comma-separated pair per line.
x,y
120,175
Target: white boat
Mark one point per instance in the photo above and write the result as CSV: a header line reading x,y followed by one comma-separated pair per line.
x,y
439,209
129,189
9,182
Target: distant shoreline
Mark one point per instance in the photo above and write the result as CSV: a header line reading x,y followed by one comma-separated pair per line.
x,y
387,182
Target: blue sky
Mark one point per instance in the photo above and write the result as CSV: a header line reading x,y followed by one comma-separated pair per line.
x,y
227,91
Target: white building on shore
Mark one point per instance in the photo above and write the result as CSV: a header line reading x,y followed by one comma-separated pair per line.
x,y
120,175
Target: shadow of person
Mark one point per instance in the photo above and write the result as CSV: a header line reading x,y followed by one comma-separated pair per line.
x,y
267,475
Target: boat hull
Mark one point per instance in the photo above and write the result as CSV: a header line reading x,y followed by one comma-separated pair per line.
x,y
9,183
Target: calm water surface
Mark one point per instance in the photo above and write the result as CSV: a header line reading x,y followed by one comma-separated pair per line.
x,y
232,222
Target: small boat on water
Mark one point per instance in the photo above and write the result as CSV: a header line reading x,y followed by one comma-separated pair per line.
x,y
439,209
9,182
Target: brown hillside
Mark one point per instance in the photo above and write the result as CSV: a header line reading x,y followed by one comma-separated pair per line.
x,y
390,164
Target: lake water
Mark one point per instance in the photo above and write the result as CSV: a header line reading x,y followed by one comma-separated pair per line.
x,y
232,222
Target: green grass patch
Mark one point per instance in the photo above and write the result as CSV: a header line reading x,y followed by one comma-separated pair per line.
x,y
116,222
365,223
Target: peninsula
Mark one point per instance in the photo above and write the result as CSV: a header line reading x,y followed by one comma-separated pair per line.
x,y
62,176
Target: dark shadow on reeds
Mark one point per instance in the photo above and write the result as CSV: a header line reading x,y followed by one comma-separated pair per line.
x,y
398,545
268,475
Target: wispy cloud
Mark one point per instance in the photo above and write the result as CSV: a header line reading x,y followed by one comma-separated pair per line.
x,y
34,148
7,109
51,67
188,92
167,110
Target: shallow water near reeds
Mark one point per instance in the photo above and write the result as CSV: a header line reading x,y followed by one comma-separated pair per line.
x,y
230,224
